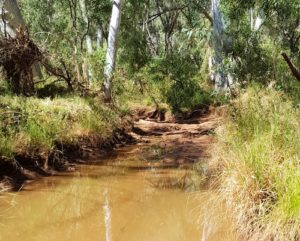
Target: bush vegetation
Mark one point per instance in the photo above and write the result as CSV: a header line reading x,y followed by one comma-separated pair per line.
x,y
260,150
170,54
31,125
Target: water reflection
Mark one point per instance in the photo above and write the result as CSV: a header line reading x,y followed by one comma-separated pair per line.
x,y
110,203
107,216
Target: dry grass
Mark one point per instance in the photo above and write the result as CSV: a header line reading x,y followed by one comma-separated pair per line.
x,y
259,151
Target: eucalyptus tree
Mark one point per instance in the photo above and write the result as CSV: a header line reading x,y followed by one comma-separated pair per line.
x,y
168,13
55,26
114,27
172,14
88,37
283,20
262,24
99,13
220,78
135,51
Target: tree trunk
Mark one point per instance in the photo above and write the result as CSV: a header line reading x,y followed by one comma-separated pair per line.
x,y
99,37
294,70
88,38
251,15
11,20
112,48
153,38
220,79
258,22
89,42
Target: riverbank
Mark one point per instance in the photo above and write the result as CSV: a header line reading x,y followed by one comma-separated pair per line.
x,y
170,155
41,136
54,135
257,156
154,182
244,153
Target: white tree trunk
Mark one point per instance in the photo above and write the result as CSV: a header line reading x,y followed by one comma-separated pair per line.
x,y
220,78
89,42
12,17
10,20
88,39
256,22
251,19
112,48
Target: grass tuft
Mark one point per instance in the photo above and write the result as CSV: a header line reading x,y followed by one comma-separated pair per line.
x,y
261,177
30,125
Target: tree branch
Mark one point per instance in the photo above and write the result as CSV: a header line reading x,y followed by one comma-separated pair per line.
x,y
294,70
58,73
156,15
204,12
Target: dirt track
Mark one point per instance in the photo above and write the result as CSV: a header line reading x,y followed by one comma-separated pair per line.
x,y
183,142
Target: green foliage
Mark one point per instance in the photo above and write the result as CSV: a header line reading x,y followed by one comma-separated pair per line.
x,y
186,96
99,119
173,79
256,51
163,59
97,61
283,20
4,86
135,53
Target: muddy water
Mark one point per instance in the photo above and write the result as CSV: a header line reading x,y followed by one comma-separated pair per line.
x,y
123,198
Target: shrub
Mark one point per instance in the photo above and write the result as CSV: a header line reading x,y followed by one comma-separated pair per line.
x,y
186,96
172,79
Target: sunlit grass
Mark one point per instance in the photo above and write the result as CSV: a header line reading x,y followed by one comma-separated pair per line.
x,y
32,124
261,180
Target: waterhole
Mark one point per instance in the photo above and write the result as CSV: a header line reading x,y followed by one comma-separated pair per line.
x,y
121,198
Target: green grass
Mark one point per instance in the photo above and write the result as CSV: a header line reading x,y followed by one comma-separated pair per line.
x,y
261,180
31,125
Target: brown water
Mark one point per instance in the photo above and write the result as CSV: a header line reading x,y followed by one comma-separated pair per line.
x,y
122,199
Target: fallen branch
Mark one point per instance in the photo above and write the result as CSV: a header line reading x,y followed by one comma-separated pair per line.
x,y
58,73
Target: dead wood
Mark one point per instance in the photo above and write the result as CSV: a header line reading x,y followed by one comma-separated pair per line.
x,y
17,57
